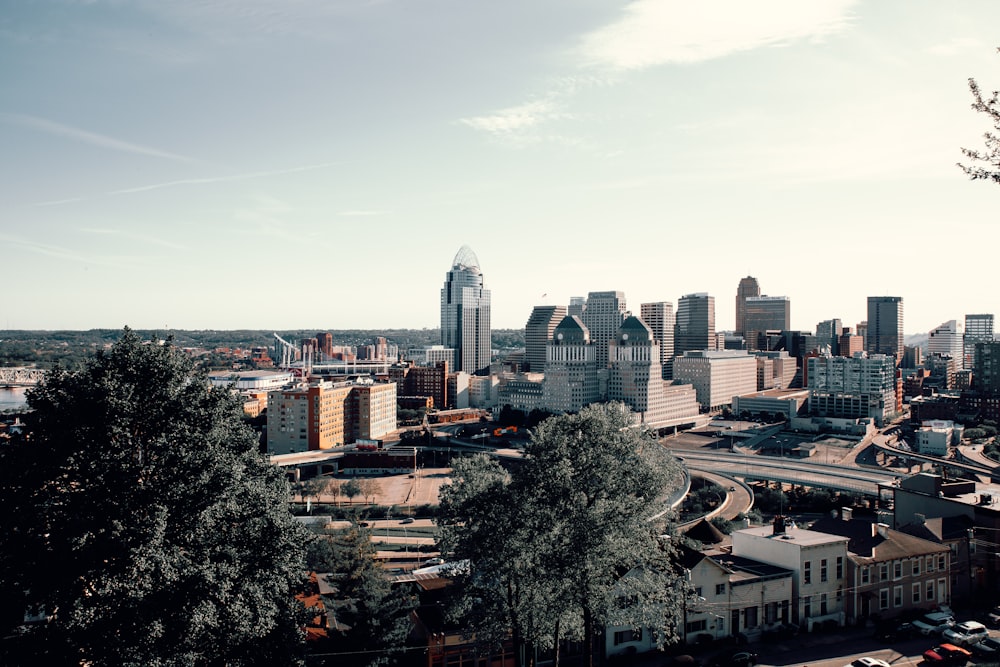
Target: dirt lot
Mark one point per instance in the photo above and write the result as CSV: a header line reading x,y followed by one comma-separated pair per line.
x,y
401,490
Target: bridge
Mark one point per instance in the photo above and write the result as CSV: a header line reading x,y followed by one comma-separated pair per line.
x,y
20,376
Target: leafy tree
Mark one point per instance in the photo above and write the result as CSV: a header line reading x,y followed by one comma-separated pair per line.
x,y
989,105
556,545
142,520
351,488
369,488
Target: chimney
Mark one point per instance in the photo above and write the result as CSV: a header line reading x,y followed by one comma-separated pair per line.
x,y
846,513
921,518
881,529
779,525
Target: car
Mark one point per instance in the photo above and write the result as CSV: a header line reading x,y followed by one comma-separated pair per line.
x,y
934,623
867,661
993,617
966,633
947,654
892,631
735,659
988,648
408,519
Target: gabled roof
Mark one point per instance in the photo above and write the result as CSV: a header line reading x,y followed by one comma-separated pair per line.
x,y
940,529
705,532
865,541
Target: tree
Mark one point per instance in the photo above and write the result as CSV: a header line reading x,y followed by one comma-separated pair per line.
x,y
989,105
145,524
351,488
555,545
369,489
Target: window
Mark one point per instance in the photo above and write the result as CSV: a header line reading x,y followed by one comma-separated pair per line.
x,y
916,567
930,591
807,607
897,569
942,562
720,589
822,604
822,570
840,567
929,565
883,572
916,593
897,596
883,599
694,626
635,634
807,574
866,575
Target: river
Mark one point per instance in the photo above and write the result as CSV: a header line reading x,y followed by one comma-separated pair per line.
x,y
12,398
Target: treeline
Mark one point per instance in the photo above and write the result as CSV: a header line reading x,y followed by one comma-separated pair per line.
x,y
69,349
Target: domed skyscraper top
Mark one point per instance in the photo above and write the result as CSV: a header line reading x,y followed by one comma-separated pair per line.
x,y
466,259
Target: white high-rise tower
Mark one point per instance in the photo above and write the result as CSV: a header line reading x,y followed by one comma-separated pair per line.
x,y
465,314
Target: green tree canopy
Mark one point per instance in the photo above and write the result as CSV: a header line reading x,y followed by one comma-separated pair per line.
x,y
556,545
143,522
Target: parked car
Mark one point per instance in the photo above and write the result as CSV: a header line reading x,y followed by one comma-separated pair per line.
x,y
408,519
891,631
934,623
947,654
868,662
966,633
993,617
988,648
735,659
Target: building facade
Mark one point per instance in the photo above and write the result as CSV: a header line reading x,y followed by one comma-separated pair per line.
x,y
717,375
747,288
571,377
659,317
763,314
694,327
537,334
885,326
978,329
853,387
465,314
604,313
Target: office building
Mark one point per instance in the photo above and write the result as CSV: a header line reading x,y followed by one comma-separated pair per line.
x,y
747,288
537,334
978,329
762,314
308,417
659,317
717,375
828,333
853,387
571,372
885,326
694,327
577,304
604,313
945,346
465,314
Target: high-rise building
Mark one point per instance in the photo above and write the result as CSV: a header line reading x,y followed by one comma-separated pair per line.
x,y
747,288
465,314
986,368
828,333
577,304
694,327
309,417
944,344
885,326
571,374
853,387
604,313
978,329
717,375
537,333
762,314
636,380
659,317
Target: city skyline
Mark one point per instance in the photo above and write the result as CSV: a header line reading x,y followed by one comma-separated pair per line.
x,y
209,165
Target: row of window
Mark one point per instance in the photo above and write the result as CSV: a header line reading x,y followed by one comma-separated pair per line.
x,y
928,564
823,570
927,589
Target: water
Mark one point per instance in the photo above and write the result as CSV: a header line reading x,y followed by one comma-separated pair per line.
x,y
12,398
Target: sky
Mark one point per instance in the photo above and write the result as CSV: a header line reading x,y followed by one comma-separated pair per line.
x,y
286,164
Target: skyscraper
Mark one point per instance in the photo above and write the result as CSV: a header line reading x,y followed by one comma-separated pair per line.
x,y
659,317
604,313
978,329
538,332
748,287
828,333
694,327
465,314
571,373
762,314
885,326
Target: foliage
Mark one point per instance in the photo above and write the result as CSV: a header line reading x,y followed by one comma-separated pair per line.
x,y
372,616
144,522
990,156
351,488
555,544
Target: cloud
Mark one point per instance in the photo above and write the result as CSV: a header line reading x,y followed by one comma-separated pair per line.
x,y
134,237
221,179
62,253
658,32
84,136
515,119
